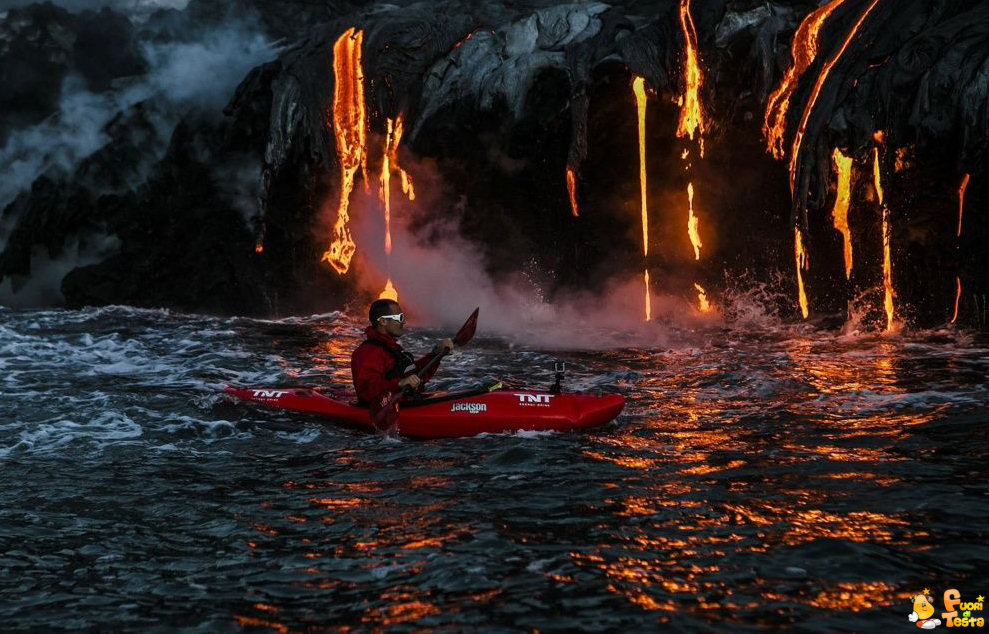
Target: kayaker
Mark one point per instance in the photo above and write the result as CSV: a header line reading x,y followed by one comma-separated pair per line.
x,y
380,364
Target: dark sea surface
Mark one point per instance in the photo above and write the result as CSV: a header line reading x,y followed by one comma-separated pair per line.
x,y
766,477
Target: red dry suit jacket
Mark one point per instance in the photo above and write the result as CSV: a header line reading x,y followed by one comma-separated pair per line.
x,y
375,365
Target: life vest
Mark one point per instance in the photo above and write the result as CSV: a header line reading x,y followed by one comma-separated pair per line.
x,y
402,359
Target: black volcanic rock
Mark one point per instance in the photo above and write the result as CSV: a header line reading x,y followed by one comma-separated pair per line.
x,y
499,101
41,44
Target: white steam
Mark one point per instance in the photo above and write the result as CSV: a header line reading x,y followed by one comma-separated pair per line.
x,y
136,10
442,279
182,75
202,73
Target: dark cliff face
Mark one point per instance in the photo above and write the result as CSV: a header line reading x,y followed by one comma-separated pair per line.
x,y
226,206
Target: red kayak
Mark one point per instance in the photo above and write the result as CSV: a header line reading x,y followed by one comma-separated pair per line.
x,y
447,415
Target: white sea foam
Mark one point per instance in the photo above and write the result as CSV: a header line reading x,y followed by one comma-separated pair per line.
x,y
53,436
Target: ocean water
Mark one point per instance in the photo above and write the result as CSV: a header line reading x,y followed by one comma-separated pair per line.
x,y
760,477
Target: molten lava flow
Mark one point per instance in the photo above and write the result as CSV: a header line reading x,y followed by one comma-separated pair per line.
x,y
705,306
572,190
887,258
691,114
389,162
803,51
389,292
349,127
958,296
961,201
639,88
695,237
802,263
843,168
821,79
648,301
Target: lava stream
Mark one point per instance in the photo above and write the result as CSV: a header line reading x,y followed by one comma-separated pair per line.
x,y
802,264
818,85
349,128
803,51
843,168
692,222
691,121
572,191
887,257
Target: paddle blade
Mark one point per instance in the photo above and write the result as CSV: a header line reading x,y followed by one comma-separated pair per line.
x,y
384,411
466,332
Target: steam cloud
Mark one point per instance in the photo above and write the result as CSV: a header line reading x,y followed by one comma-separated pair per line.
x,y
441,277
199,73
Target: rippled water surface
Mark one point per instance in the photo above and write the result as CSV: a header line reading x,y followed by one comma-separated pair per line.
x,y
759,478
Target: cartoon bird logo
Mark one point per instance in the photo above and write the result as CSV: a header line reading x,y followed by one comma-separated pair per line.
x,y
923,610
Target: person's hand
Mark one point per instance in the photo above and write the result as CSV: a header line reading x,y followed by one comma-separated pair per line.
x,y
411,381
446,344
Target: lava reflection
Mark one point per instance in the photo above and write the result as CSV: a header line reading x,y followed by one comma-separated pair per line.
x,y
403,604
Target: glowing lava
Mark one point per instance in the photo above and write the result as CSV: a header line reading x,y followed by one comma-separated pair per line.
x,y
887,258
389,162
802,263
648,301
705,306
389,292
691,115
818,85
803,51
572,191
842,201
639,88
349,127
692,230
961,201
958,296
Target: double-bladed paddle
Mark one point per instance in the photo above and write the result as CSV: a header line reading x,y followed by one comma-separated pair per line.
x,y
384,411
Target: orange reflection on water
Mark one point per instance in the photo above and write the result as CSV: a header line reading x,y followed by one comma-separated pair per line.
x,y
849,596
249,621
332,503
403,604
809,524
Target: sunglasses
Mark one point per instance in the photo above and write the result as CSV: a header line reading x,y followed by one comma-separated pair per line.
x,y
400,317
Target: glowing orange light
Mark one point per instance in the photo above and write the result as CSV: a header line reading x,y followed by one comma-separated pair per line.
x,y
462,40
258,247
349,127
842,201
648,300
818,85
958,296
803,50
389,292
639,88
802,263
692,223
389,162
961,201
572,190
691,114
887,257
703,304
